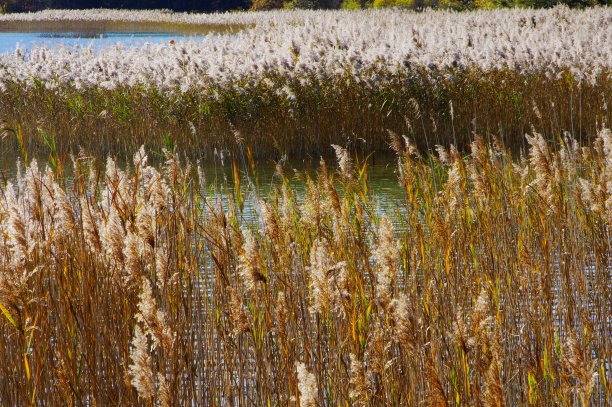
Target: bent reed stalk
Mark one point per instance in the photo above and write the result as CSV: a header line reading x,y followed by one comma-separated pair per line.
x,y
488,286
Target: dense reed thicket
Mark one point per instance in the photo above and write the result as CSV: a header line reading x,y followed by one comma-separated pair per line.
x,y
137,286
105,20
314,114
296,82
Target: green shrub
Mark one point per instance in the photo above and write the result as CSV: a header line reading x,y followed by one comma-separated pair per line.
x,y
351,5
266,4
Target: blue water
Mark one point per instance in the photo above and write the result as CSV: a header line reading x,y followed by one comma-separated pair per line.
x,y
9,41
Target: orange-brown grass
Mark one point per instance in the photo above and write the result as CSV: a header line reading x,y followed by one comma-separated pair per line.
x,y
488,286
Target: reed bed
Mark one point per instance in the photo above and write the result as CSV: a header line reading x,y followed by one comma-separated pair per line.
x,y
335,110
103,26
139,286
49,20
296,82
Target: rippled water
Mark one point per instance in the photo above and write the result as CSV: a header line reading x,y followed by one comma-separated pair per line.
x,y
9,41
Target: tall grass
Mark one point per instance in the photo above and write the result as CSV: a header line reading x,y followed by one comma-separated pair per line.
x,y
102,26
296,82
53,19
488,286
317,113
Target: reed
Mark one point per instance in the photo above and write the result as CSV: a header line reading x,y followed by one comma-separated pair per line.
x,y
489,285
320,112
294,83
53,18
101,26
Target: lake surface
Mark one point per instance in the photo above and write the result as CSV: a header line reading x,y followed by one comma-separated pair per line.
x,y
26,40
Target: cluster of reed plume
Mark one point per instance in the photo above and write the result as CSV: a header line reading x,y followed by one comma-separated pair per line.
x,y
488,286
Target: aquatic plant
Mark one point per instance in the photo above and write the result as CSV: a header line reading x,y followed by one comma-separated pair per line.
x,y
488,285
296,82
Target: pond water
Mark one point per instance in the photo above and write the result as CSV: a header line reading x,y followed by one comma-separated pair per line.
x,y
26,40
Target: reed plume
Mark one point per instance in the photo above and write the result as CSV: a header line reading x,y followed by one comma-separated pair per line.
x,y
140,370
307,386
359,382
386,255
249,263
153,319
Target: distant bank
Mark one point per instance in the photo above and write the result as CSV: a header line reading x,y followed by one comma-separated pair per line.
x,y
16,6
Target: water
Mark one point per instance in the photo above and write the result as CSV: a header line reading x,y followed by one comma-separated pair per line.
x,y
26,40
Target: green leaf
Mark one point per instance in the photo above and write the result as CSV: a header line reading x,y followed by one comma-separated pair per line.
x,y
168,142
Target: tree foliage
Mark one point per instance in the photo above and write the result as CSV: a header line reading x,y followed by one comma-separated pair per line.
x,y
226,5
176,5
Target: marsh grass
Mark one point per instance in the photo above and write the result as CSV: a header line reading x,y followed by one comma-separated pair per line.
x,y
489,287
95,20
102,26
297,82
278,115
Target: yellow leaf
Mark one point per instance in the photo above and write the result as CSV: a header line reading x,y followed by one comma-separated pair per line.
x,y
8,315
422,248
27,365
